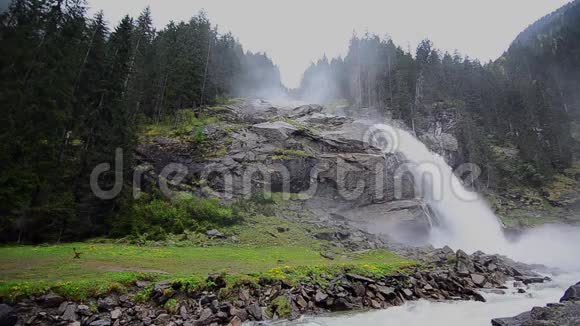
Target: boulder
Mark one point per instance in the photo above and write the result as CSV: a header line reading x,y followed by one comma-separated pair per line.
x,y
566,313
236,321
478,279
464,265
308,109
107,303
7,315
70,312
274,131
100,322
255,311
115,314
51,300
572,294
215,234
320,296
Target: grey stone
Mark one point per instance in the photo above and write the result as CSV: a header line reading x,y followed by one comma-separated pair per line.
x,y
215,234
70,312
572,294
115,314
51,300
320,296
478,279
275,131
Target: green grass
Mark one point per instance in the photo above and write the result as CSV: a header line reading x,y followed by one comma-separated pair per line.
x,y
107,267
55,262
184,126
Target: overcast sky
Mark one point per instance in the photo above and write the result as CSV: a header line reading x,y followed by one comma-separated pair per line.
x,y
296,32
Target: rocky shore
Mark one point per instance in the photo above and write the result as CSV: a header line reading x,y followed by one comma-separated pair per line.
x,y
445,275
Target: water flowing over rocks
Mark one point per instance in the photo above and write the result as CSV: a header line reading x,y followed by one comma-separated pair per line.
x,y
442,278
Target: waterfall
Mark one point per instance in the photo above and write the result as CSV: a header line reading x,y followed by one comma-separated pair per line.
x,y
464,219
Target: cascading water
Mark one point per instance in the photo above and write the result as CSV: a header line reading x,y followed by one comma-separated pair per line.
x,y
465,220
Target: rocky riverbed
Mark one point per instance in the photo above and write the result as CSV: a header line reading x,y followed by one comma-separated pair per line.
x,y
445,275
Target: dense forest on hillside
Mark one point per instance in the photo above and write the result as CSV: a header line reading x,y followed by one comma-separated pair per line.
x,y
72,90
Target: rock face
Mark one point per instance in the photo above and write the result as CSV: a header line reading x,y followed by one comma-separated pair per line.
x,y
329,160
565,313
404,221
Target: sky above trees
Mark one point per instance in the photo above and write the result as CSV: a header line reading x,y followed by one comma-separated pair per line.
x,y
294,33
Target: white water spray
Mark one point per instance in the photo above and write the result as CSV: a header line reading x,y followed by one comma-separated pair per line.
x,y
465,220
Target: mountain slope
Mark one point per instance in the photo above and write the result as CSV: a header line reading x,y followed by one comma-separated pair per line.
x,y
551,50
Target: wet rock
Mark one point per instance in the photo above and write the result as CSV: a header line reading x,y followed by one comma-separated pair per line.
x,y
572,294
464,265
306,110
531,280
407,293
513,321
566,313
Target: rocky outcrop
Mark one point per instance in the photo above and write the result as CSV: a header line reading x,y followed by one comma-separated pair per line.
x,y
175,303
328,160
572,294
404,221
565,313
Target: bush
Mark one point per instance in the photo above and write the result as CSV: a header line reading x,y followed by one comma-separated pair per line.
x,y
157,217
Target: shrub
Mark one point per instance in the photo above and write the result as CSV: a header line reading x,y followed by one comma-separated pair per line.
x,y
154,218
